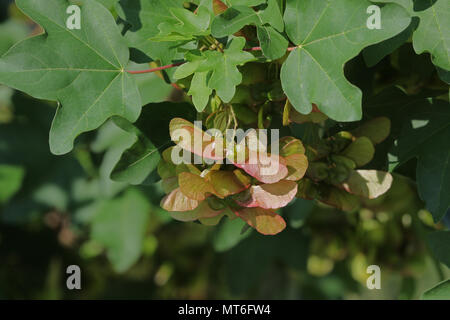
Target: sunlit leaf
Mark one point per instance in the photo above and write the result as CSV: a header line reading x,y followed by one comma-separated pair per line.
x,y
271,196
297,164
327,35
82,69
264,221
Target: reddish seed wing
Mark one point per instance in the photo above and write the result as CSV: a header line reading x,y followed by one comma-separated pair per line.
x,y
195,140
271,173
270,196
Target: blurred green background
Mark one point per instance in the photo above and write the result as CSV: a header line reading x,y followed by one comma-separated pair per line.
x,y
57,211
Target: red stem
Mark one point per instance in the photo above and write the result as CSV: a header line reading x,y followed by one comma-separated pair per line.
x,y
158,68
180,63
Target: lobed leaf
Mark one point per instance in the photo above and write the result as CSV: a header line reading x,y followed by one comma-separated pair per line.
x,y
313,68
222,72
144,17
11,178
440,245
268,21
425,136
432,34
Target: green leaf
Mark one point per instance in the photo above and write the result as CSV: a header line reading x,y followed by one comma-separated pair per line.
x,y
199,90
407,4
233,20
375,53
184,26
271,196
82,69
155,119
268,22
12,31
11,178
264,221
432,34
426,137
120,225
144,17
440,246
439,292
328,34
225,75
137,163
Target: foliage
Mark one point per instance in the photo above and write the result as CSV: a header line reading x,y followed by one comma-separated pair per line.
x,y
362,157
